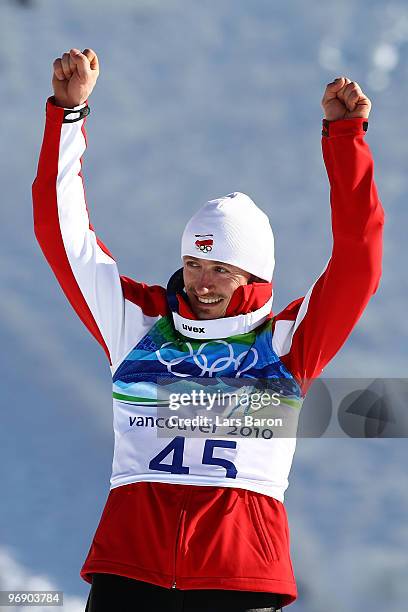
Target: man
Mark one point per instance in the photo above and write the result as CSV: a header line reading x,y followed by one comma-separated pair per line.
x,y
195,523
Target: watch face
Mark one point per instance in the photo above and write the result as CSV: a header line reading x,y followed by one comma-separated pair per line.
x,y
71,115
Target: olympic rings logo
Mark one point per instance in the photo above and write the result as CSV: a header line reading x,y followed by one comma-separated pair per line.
x,y
201,359
205,248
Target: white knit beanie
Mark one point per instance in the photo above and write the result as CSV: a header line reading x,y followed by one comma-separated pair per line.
x,y
232,229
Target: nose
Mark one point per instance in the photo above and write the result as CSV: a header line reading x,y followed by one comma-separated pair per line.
x,y
204,284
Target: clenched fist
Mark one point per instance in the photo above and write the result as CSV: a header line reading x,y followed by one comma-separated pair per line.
x,y
74,77
343,99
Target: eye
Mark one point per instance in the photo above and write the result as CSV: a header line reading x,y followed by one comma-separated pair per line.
x,y
221,270
192,264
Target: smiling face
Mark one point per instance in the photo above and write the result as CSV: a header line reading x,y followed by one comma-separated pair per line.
x,y
210,284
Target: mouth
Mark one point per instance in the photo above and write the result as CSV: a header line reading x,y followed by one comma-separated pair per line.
x,y
208,302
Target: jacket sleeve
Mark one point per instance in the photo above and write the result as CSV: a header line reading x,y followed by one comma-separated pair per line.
x,y
117,310
310,331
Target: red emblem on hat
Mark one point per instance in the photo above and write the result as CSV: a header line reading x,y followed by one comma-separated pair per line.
x,y
204,242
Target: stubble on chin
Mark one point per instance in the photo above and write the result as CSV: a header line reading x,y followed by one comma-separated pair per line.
x,y
203,313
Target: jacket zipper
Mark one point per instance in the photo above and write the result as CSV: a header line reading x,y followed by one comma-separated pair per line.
x,y
182,514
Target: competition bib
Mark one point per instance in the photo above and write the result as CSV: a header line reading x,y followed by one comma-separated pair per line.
x,y
198,412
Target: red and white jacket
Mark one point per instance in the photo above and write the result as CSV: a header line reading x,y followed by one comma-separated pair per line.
x,y
189,536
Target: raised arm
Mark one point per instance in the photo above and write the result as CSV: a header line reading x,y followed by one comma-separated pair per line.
x,y
310,331
116,310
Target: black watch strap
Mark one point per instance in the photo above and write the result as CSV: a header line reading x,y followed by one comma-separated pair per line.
x,y
71,115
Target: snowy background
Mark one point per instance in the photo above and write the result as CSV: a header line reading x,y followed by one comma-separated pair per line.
x,y
195,100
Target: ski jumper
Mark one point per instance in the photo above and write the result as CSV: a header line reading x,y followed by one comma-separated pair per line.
x,y
202,513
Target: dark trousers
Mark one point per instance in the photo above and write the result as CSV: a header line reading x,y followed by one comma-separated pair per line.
x,y
111,593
